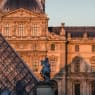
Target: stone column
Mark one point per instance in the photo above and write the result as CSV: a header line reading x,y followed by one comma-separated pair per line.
x,y
59,87
63,87
88,88
70,87
84,83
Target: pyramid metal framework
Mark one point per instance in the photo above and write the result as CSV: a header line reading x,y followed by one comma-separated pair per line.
x,y
13,70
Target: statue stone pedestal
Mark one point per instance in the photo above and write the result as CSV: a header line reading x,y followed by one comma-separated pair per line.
x,y
47,88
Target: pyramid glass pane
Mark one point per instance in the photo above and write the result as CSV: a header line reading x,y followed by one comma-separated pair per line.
x,y
13,70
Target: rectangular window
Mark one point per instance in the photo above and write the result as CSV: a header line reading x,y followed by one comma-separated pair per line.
x,y
92,63
93,48
6,33
35,30
21,30
93,67
77,48
52,47
93,88
53,61
35,64
77,89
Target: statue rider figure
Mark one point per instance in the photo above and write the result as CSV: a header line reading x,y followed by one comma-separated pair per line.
x,y
45,72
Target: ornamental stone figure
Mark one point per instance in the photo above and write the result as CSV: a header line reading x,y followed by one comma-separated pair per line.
x,y
45,72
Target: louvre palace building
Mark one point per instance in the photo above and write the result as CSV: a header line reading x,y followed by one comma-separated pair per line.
x,y
26,39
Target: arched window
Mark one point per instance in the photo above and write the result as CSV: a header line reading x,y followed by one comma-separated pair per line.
x,y
77,67
76,62
52,46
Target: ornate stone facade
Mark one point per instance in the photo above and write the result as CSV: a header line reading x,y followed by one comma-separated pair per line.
x,y
28,33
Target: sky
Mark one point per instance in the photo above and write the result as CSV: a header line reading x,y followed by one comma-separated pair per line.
x,y
71,12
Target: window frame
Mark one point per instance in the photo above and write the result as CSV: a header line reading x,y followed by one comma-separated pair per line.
x,y
35,65
7,29
52,47
53,61
35,30
77,49
21,29
93,64
77,88
93,48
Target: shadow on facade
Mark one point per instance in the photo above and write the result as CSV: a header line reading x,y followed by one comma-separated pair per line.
x,y
77,65
78,75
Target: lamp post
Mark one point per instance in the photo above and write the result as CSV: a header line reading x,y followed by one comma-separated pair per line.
x,y
66,67
65,43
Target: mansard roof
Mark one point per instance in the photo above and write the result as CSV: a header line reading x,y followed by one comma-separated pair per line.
x,y
33,5
75,31
13,69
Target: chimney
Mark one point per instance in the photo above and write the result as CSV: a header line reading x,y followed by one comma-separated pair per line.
x,y
69,35
62,33
85,35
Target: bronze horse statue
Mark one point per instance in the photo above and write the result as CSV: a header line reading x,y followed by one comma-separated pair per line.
x,y
45,72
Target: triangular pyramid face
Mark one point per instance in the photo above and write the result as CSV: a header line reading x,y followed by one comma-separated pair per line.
x,y
13,69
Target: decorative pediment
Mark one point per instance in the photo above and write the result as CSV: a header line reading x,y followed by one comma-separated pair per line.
x,y
23,13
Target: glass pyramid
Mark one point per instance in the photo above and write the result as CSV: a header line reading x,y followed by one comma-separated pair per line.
x,y
14,73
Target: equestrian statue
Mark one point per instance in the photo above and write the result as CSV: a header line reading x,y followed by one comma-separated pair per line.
x,y
45,71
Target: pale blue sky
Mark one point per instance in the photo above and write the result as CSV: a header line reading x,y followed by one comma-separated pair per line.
x,y
72,12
